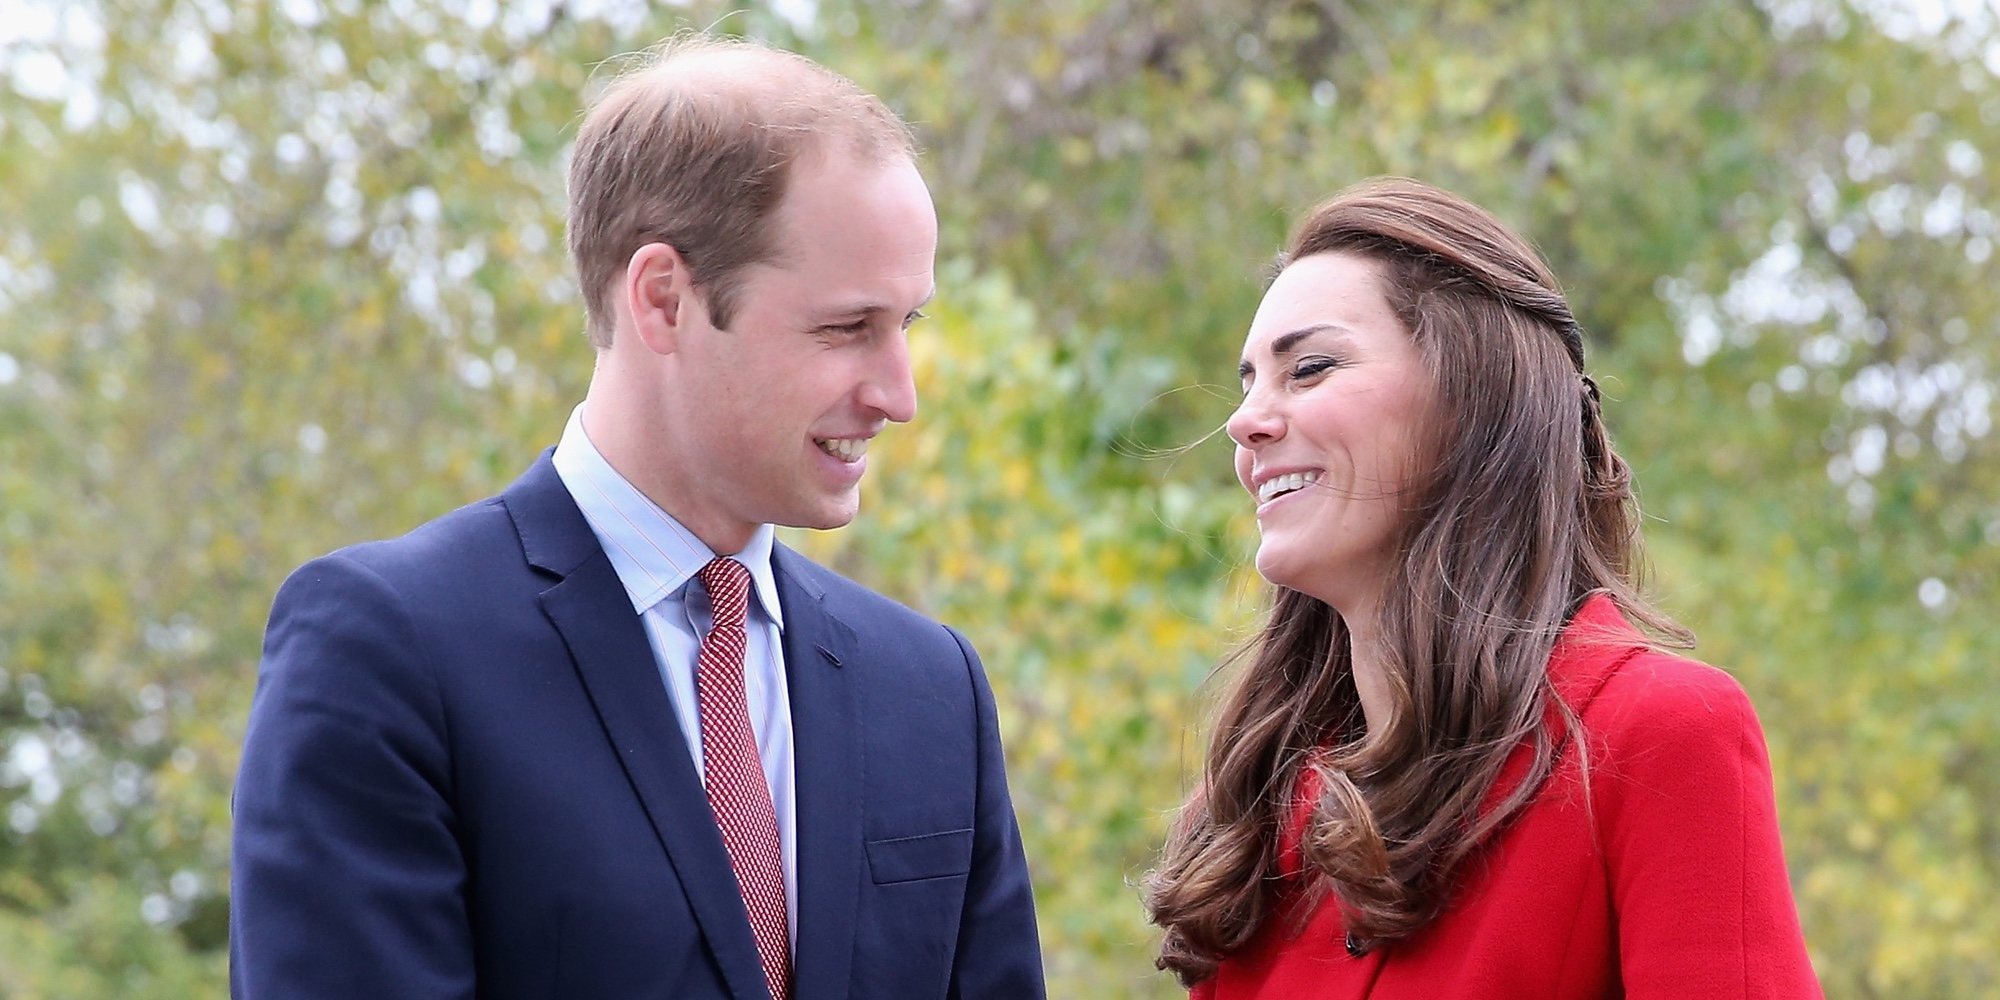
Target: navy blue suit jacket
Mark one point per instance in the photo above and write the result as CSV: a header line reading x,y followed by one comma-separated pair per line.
x,y
463,778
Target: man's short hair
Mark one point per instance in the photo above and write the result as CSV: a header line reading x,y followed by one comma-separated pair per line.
x,y
693,147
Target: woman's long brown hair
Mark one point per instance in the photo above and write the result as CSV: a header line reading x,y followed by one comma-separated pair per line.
x,y
1521,511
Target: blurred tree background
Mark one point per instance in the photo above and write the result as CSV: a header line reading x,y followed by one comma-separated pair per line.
x,y
279,276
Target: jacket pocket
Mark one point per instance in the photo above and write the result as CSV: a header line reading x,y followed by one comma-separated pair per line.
x,y
933,855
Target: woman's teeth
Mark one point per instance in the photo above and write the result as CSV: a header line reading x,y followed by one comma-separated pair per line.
x,y
1285,484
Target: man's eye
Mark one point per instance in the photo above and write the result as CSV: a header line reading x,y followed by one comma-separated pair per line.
x,y
846,328
913,317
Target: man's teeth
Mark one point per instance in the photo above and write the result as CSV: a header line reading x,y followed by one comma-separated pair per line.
x,y
845,449
1285,484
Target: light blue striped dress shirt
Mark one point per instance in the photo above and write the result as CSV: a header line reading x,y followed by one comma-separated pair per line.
x,y
657,559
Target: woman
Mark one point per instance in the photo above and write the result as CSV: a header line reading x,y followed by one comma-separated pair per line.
x,y
1449,766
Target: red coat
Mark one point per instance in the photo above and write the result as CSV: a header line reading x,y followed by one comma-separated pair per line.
x,y
1685,898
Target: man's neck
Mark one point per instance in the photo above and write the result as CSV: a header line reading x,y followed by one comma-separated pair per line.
x,y
633,453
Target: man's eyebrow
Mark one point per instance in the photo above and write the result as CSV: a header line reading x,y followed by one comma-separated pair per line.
x,y
870,307
1285,343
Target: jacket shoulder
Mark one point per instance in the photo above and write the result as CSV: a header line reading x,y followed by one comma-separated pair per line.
x,y
466,541
872,614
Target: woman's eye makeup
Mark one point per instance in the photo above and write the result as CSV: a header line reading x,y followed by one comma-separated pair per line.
x,y
1309,367
1297,370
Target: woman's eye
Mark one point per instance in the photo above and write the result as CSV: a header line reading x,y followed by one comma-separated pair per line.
x,y
1313,366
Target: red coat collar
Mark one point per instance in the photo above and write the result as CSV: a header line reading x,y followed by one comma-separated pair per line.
x,y
1590,649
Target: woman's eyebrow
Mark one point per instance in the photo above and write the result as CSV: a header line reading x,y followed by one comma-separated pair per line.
x,y
1286,343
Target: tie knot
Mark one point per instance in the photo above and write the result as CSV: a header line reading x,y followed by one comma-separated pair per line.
x,y
728,584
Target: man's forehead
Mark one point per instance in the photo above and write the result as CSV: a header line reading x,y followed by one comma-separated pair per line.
x,y
846,209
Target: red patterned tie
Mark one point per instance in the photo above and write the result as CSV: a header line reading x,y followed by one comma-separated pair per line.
x,y
734,773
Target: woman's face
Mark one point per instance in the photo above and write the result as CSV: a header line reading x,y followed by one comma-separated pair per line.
x,y
1335,403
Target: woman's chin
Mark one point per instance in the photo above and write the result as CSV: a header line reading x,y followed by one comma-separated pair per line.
x,y
1280,568
1310,574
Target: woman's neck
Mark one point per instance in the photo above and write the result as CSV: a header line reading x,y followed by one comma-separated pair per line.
x,y
1368,655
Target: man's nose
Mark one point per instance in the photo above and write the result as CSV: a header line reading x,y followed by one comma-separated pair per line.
x,y
891,388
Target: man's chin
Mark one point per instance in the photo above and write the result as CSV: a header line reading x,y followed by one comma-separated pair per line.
x,y
827,516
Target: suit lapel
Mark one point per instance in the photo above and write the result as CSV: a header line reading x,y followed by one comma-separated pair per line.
x,y
607,644
821,655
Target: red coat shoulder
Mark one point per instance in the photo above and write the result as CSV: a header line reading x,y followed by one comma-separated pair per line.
x,y
1685,813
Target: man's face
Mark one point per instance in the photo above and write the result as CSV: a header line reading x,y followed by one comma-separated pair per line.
x,y
769,421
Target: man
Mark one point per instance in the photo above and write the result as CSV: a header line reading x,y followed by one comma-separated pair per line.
x,y
599,736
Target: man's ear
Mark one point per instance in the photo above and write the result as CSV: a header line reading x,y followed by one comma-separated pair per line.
x,y
660,297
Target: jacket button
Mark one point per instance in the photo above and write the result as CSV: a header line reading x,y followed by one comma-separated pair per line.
x,y
1354,946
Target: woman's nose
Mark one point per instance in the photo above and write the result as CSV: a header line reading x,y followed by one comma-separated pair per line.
x,y
1254,423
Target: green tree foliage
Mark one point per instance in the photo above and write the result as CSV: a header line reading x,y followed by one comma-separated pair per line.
x,y
279,276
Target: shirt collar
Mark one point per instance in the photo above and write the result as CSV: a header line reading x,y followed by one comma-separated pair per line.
x,y
653,554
